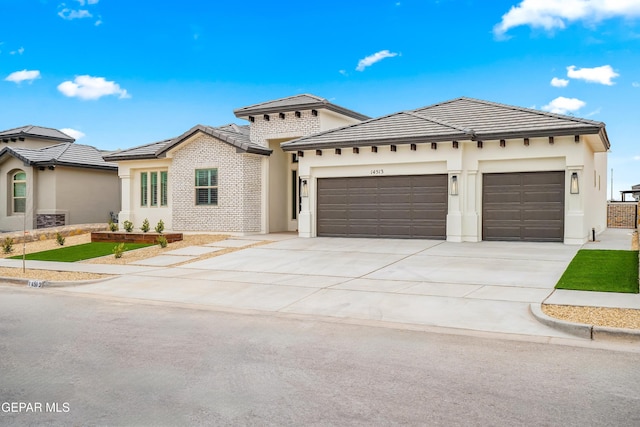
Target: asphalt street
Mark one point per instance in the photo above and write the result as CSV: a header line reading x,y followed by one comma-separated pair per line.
x,y
91,361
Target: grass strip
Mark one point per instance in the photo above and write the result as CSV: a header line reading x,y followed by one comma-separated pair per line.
x,y
602,271
80,252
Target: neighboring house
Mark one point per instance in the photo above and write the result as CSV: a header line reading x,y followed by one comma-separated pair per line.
x,y
461,170
53,181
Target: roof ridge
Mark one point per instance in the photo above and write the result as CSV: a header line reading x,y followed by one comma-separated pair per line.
x,y
469,131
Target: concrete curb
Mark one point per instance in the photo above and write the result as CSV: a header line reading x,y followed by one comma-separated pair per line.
x,y
577,329
53,284
582,330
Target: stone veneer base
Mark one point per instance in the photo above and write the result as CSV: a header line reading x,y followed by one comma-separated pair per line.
x,y
124,237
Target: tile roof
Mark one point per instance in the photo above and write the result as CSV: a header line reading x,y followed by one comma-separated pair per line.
x,y
296,102
232,134
457,119
37,132
65,154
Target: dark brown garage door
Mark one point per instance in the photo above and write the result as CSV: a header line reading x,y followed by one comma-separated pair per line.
x,y
409,207
527,206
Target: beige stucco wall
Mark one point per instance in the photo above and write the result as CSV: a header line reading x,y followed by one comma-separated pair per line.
x,y
9,221
85,195
464,222
331,120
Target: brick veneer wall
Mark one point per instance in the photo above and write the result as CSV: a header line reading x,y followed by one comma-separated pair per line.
x,y
622,215
239,188
289,127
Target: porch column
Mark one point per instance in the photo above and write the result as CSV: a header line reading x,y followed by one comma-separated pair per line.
x,y
454,214
470,217
305,219
125,185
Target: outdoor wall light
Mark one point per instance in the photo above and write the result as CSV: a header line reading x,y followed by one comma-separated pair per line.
x,y
305,188
574,188
454,185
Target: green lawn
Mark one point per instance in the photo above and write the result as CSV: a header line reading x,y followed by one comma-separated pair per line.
x,y
79,252
602,271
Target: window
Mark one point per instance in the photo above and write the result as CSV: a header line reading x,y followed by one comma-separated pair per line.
x,y
206,186
152,190
144,191
19,192
163,188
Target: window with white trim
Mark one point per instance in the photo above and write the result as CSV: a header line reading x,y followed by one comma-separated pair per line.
x,y
154,188
19,192
207,186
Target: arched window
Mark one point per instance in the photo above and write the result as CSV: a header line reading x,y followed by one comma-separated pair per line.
x,y
19,192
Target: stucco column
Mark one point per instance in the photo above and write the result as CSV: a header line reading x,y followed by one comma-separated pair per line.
x,y
125,185
576,232
470,217
305,219
454,213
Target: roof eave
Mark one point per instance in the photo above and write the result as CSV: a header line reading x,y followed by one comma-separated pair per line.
x,y
243,113
289,146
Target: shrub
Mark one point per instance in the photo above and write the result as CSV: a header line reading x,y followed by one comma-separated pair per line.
x,y
160,227
118,250
60,239
128,226
7,245
113,226
145,226
162,241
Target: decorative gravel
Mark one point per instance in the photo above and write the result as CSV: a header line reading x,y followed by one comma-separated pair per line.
x,y
611,317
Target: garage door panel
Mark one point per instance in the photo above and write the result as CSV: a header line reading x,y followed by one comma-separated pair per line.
x,y
527,206
393,207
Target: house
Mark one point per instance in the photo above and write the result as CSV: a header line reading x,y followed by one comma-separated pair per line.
x,y
53,181
463,170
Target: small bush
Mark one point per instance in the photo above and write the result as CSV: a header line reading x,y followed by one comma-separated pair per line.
x,y
162,241
113,226
7,245
60,239
160,227
118,250
145,226
128,226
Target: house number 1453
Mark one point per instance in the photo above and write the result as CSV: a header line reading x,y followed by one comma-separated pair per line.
x,y
377,171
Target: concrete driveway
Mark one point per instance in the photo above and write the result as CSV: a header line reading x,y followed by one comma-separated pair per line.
x,y
484,286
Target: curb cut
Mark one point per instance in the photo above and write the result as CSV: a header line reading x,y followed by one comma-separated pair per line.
x,y
582,330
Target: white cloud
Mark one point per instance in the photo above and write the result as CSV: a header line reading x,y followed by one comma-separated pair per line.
x,y
635,84
87,87
343,72
19,51
562,105
556,82
602,75
372,59
636,158
24,75
73,133
552,14
70,14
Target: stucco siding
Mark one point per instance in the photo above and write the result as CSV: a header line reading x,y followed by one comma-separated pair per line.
x,y
87,195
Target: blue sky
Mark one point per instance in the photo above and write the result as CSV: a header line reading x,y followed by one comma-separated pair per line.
x,y
127,72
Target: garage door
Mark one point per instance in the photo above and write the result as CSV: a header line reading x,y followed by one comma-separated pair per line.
x,y
526,206
410,207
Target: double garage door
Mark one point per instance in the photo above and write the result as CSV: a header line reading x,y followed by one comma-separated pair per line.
x,y
526,206
410,207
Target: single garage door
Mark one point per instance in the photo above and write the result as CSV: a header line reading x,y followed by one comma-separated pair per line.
x,y
526,206
407,207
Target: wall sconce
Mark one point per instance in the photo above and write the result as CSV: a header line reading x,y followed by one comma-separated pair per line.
x,y
305,188
454,185
574,188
